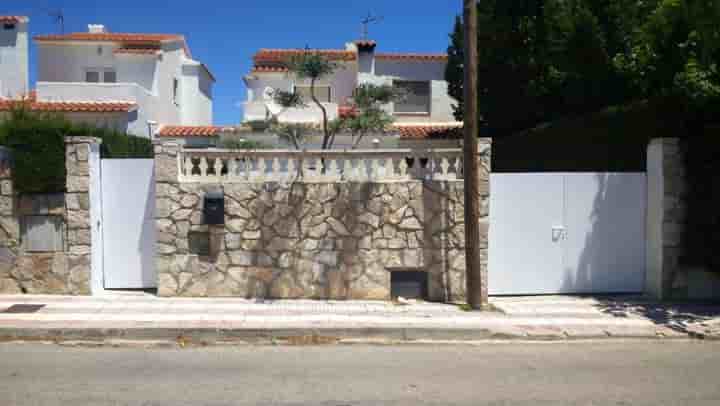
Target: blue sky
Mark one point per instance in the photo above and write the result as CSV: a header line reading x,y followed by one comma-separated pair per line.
x,y
225,34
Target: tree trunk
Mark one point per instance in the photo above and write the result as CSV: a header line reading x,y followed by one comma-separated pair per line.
x,y
326,135
476,289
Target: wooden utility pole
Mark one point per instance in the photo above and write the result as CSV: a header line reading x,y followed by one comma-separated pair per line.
x,y
476,294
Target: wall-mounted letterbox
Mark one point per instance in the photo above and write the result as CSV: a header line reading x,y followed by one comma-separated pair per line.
x,y
214,208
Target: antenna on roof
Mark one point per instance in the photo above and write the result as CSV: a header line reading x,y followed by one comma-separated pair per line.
x,y
59,18
370,19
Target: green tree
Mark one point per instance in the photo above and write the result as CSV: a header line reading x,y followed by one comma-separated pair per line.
x,y
314,66
368,115
544,59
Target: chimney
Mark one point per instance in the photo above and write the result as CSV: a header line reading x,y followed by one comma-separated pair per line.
x,y
96,28
366,55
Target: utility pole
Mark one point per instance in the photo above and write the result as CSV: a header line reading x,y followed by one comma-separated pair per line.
x,y
476,292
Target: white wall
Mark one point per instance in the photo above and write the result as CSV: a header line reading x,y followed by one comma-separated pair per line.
x,y
144,79
14,61
386,71
195,95
342,82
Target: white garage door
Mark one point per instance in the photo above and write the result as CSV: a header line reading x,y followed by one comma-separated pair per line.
x,y
567,233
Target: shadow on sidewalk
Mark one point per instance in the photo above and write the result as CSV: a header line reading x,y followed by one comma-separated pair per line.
x,y
677,316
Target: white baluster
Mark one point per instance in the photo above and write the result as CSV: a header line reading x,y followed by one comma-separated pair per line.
x,y
188,167
275,168
444,166
347,168
291,167
232,169
374,173
262,168
403,167
459,167
218,168
203,167
333,171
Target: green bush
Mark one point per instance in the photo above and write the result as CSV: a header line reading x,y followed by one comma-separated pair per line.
x,y
38,145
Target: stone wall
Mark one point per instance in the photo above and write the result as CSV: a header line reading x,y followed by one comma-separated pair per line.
x,y
65,271
670,273
336,240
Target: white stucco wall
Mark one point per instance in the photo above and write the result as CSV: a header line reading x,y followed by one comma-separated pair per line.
x,y
342,82
14,61
387,71
195,95
146,80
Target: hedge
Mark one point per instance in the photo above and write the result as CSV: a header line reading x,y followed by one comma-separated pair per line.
x,y
38,145
702,224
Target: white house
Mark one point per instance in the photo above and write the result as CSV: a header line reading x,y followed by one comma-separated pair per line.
x,y
13,56
136,83
427,108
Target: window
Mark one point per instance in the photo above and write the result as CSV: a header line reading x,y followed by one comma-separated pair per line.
x,y
109,76
415,97
42,233
176,89
323,93
9,26
94,75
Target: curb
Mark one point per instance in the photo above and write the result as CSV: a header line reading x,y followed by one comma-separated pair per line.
x,y
308,336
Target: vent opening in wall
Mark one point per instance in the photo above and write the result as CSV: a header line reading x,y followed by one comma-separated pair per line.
x,y
42,233
409,284
199,243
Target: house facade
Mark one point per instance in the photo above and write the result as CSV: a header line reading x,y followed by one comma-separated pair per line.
x,y
134,83
13,56
425,110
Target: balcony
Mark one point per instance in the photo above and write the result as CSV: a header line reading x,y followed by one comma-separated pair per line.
x,y
93,92
257,111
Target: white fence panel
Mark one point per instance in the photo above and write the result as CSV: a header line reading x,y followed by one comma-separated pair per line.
x,y
128,200
557,233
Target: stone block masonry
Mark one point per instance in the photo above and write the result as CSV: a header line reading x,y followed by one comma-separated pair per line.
x,y
305,239
63,271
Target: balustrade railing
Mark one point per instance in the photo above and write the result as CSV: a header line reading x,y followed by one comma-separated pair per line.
x,y
228,166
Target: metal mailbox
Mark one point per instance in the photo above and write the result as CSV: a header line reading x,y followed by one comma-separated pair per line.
x,y
214,208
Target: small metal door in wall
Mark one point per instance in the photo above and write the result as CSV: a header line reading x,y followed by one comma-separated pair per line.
x,y
128,202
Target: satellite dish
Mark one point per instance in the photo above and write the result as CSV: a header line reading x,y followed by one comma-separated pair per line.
x,y
268,94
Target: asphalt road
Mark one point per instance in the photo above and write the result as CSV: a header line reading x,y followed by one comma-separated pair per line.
x,y
637,373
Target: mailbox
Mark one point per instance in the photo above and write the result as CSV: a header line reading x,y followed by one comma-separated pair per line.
x,y
214,208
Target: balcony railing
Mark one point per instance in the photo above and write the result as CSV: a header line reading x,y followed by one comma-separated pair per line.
x,y
97,92
225,166
310,114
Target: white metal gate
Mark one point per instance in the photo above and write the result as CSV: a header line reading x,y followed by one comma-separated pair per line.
x,y
567,233
128,207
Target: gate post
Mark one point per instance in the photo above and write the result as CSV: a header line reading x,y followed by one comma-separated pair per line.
x,y
665,212
81,232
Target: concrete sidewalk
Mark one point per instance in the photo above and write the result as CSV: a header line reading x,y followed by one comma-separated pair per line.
x,y
144,316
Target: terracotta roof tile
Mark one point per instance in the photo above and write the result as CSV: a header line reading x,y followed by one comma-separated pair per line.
x,y
189,131
12,19
69,107
281,55
269,68
430,131
111,37
126,38
411,57
137,51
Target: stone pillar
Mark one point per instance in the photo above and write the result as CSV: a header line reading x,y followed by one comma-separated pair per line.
x,y
9,227
77,202
444,204
166,195
665,215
